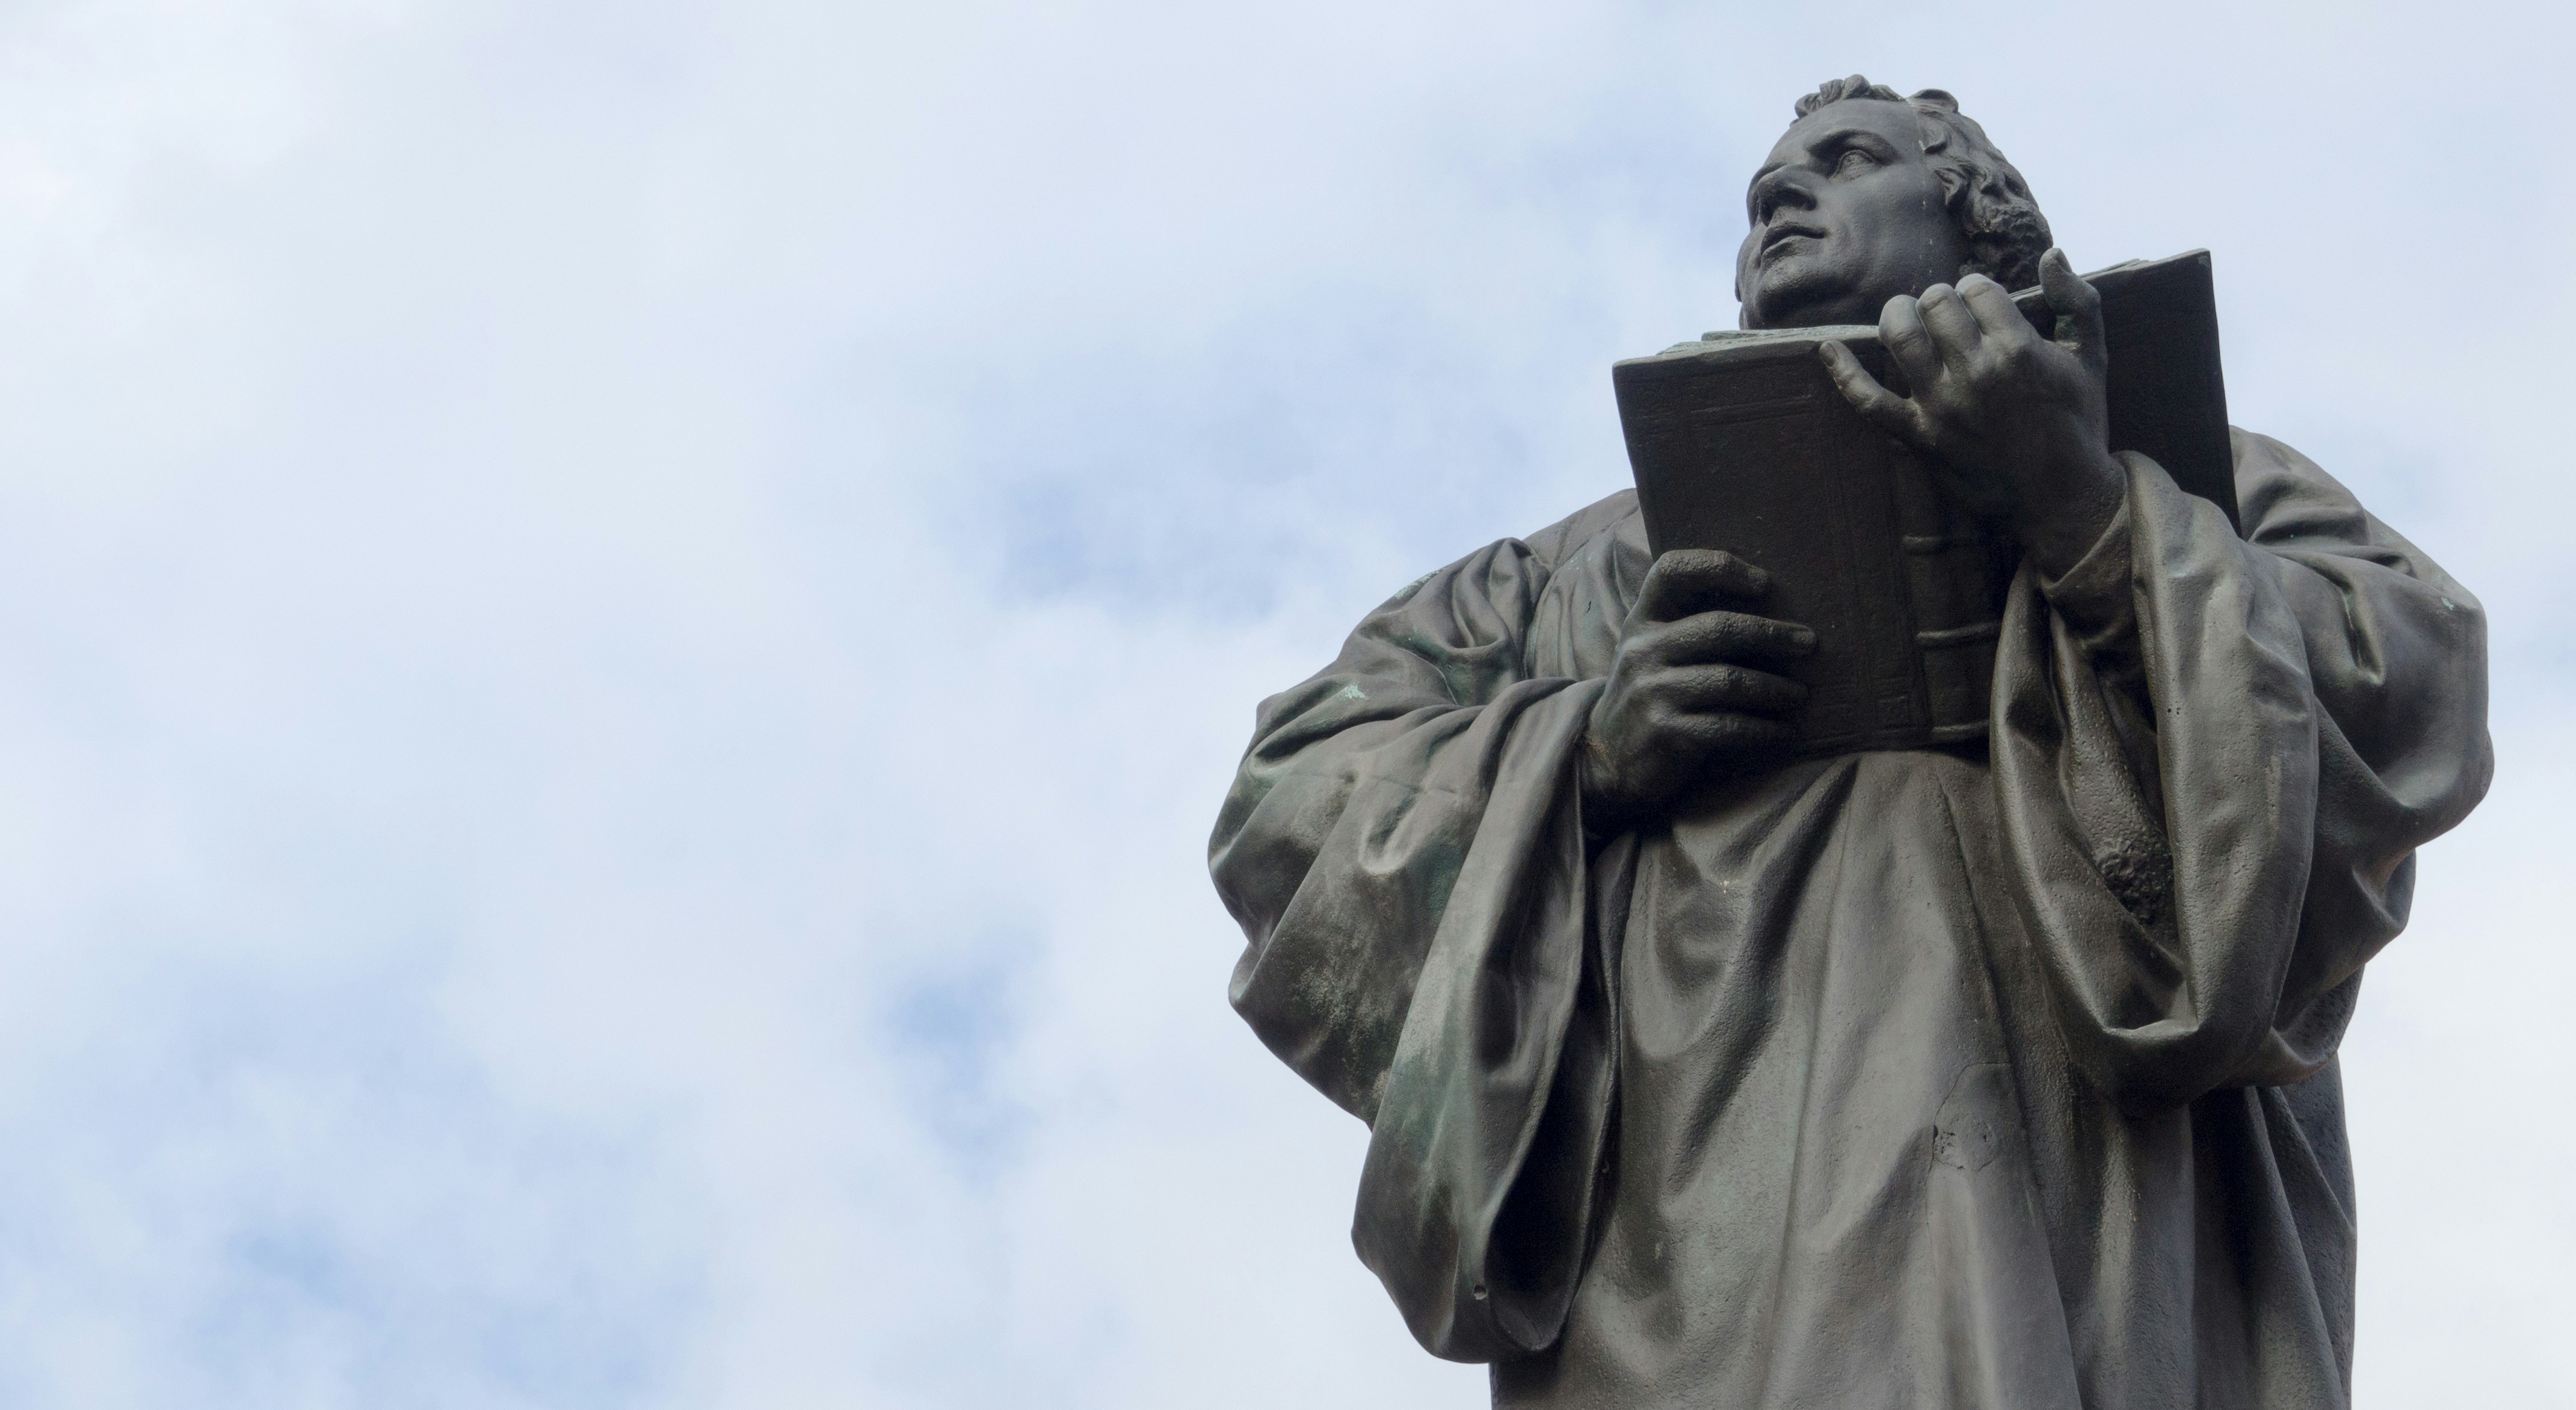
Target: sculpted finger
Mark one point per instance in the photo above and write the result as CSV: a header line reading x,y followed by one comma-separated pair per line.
x,y
1741,689
1997,319
1888,411
1953,327
1728,733
1908,344
2078,307
1689,580
1734,636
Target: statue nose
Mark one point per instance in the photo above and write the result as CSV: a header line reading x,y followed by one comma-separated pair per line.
x,y
1780,188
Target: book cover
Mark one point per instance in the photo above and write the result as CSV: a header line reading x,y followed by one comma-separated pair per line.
x,y
1740,441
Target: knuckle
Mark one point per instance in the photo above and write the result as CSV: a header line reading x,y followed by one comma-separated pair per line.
x,y
1711,729
1694,564
1738,729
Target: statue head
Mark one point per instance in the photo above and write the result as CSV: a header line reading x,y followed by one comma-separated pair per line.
x,y
1870,195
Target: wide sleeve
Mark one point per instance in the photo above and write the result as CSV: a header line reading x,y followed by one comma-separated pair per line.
x,y
2214,757
1404,849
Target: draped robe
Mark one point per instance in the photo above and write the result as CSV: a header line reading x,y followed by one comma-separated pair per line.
x,y
1994,1076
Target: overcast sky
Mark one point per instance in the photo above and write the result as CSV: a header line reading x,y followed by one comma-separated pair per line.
x,y
621,624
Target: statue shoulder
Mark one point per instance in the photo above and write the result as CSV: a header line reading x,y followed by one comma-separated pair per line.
x,y
2281,494
1566,537
2289,504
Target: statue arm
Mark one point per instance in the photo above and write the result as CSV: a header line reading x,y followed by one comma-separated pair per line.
x,y
2397,668
1404,849
1342,838
2215,757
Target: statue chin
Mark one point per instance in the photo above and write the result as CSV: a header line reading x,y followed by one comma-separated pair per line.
x,y
1796,293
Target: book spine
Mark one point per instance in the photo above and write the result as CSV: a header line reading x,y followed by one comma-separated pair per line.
x,y
1956,575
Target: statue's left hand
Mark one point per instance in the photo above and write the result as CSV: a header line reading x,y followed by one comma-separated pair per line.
x,y
2018,422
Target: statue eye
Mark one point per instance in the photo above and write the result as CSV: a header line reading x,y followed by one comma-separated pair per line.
x,y
1853,162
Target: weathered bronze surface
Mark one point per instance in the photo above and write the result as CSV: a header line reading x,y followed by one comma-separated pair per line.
x,y
1998,1072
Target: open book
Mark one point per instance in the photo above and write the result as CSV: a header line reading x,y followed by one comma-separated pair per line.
x,y
1741,442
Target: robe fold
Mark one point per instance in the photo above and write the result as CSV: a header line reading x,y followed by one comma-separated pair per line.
x,y
1995,1076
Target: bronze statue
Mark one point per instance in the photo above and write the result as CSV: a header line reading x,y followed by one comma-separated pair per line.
x,y
1703,1071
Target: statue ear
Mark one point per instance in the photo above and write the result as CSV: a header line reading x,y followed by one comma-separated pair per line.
x,y
1954,182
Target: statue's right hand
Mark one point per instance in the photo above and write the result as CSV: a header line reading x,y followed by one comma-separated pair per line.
x,y
1692,692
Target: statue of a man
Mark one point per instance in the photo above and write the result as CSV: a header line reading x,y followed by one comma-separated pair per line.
x,y
1998,1075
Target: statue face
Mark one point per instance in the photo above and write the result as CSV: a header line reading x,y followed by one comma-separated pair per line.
x,y
1846,215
